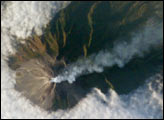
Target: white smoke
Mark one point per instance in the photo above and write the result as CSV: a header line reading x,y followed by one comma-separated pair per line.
x,y
150,37
20,19
139,104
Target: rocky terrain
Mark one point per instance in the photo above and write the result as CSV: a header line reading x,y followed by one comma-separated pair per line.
x,y
79,30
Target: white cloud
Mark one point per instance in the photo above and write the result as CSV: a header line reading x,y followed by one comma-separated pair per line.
x,y
18,19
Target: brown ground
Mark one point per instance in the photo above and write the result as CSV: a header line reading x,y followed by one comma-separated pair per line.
x,y
33,81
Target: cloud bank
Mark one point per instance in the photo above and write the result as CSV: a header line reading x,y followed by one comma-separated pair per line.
x,y
20,19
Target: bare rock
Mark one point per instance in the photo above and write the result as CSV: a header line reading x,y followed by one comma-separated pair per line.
x,y
33,81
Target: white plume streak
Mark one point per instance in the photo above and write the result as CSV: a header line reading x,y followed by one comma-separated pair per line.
x,y
19,19
150,37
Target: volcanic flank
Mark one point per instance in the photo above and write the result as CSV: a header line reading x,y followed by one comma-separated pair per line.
x,y
32,80
81,29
